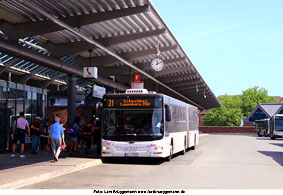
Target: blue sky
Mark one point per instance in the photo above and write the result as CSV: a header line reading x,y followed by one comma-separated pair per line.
x,y
234,44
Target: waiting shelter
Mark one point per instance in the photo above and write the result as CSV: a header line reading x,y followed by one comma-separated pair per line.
x,y
263,111
44,46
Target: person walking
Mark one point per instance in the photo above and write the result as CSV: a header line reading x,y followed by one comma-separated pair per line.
x,y
56,138
35,128
19,133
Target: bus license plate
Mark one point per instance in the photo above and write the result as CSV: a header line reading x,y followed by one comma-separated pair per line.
x,y
133,154
131,148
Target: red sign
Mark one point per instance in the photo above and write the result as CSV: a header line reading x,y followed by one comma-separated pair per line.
x,y
137,77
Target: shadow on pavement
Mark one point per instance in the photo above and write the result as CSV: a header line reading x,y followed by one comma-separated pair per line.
x,y
263,138
6,162
277,156
133,160
276,144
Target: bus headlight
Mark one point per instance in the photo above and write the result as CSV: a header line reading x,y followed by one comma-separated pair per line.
x,y
105,148
158,148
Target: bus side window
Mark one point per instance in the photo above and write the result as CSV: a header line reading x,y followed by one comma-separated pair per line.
x,y
167,113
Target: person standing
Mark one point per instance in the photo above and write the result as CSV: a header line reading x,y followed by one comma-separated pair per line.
x,y
19,133
35,128
56,138
97,135
88,132
75,127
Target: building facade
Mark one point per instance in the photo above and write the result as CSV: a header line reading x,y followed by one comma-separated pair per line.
x,y
15,98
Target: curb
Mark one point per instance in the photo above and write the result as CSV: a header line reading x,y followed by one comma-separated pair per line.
x,y
52,174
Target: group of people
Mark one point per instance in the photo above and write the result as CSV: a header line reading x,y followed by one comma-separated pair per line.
x,y
53,135
85,135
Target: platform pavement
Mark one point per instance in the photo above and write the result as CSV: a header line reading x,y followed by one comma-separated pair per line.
x,y
18,172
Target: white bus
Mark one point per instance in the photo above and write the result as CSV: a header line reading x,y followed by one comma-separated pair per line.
x,y
276,126
139,123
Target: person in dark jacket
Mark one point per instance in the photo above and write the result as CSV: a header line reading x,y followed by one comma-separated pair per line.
x,y
88,132
97,135
35,128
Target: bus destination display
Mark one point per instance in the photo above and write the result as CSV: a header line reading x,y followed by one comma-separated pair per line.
x,y
132,102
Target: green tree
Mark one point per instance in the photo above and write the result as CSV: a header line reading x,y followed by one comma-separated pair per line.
x,y
234,108
252,96
229,114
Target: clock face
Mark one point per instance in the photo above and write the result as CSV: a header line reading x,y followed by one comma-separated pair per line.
x,y
157,64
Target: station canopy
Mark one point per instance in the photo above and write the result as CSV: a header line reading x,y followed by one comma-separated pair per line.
x,y
44,42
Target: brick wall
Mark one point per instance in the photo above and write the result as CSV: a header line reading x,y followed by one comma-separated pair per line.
x,y
226,129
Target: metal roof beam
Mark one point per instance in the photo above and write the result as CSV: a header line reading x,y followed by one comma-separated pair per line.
x,y
29,29
32,73
123,70
8,65
79,46
183,82
171,70
193,81
63,87
13,49
46,83
191,86
189,83
108,59
173,78
147,65
180,78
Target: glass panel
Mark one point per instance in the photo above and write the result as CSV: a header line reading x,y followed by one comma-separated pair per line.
x,y
11,105
3,108
4,129
132,124
279,123
33,102
39,105
28,102
20,101
43,105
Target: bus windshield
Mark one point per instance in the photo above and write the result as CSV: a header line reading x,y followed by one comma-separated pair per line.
x,y
261,124
133,124
279,123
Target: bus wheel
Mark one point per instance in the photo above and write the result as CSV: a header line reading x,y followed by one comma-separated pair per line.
x,y
273,138
185,148
170,155
195,144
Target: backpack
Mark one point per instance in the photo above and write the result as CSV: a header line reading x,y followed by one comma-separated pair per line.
x,y
71,133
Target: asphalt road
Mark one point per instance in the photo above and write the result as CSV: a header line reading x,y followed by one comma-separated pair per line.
x,y
220,161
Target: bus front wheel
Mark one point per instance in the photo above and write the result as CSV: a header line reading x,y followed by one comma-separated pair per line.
x,y
185,147
170,155
195,144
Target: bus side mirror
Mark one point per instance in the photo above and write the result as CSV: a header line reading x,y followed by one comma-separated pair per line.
x,y
98,109
167,113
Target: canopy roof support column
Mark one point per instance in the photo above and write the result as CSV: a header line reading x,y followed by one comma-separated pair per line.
x,y
71,99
